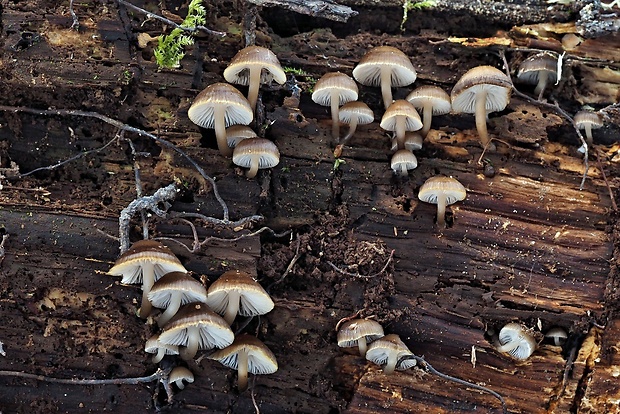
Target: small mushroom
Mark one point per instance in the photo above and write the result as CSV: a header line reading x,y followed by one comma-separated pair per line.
x,y
335,89
431,100
443,191
401,117
237,133
387,351
173,290
217,107
145,262
481,90
588,120
153,346
387,67
247,355
180,374
557,335
516,341
359,333
413,141
237,292
255,154
355,113
252,66
539,69
403,161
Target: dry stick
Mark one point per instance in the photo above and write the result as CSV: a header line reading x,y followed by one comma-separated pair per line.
x,y
315,8
159,375
136,171
76,22
429,368
170,22
611,193
383,269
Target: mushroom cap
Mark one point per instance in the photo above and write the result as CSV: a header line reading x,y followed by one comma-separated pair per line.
x,y
515,332
237,133
238,110
476,80
368,70
130,264
532,67
176,282
153,345
379,350
253,300
413,141
260,358
238,71
401,108
214,331
558,335
583,118
180,374
405,157
335,81
356,109
352,331
449,186
246,149
433,95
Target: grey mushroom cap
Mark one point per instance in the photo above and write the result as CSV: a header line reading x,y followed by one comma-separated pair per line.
x,y
496,85
516,341
238,71
400,117
255,154
402,161
334,84
430,100
387,351
173,290
154,346
356,110
237,133
539,69
180,374
359,333
442,191
261,360
557,335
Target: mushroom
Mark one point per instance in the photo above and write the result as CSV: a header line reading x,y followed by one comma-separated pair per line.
x,y
401,117
387,351
481,90
335,89
145,262
252,66
247,354
443,191
557,335
431,100
195,326
180,374
413,141
237,133
173,290
217,107
387,67
237,292
403,161
153,346
355,113
588,120
359,332
539,69
255,153
516,341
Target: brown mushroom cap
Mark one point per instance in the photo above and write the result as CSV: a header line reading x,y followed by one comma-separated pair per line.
x,y
237,133
237,292
588,120
173,290
217,107
335,89
153,346
252,66
180,374
255,154
557,335
355,113
481,90
413,141
401,117
145,262
387,351
247,354
431,100
359,333
539,69
402,161
387,67
443,191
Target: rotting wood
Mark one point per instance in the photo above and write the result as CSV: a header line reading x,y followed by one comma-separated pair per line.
x,y
315,8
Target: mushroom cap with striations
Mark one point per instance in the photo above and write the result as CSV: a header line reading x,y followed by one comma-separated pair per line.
x,y
251,147
344,85
237,133
413,141
368,70
238,71
355,329
253,299
520,341
154,346
189,288
453,190
397,109
404,158
260,358
129,264
238,110
358,110
557,335
583,118
532,67
479,79
180,374
380,350
434,96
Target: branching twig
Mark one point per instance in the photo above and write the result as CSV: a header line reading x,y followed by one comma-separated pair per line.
x,y
383,269
159,375
136,173
429,368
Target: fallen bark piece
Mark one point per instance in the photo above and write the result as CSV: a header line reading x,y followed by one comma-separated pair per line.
x,y
315,8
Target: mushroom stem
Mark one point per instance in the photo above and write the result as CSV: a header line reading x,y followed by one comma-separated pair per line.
x,y
588,129
362,345
233,306
253,87
441,211
335,100
254,164
481,120
242,370
427,118
403,171
390,365
352,128
148,279
161,352
386,87
171,309
400,131
193,340
542,84
219,120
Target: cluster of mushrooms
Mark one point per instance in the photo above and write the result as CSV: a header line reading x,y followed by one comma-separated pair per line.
x,y
190,320
518,342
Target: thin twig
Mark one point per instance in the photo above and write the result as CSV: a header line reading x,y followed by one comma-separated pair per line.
x,y
2,250
76,22
428,367
383,269
611,193
139,192
256,409
159,375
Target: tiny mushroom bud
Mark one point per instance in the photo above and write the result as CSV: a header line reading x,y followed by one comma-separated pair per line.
x,y
180,374
481,90
401,117
145,262
252,66
588,120
442,191
515,340
431,100
359,332
237,133
539,69
255,154
217,107
387,351
247,354
403,161
173,290
413,141
387,67
335,89
355,113
557,335
153,346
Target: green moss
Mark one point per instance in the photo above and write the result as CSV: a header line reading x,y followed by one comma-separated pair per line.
x,y
411,5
